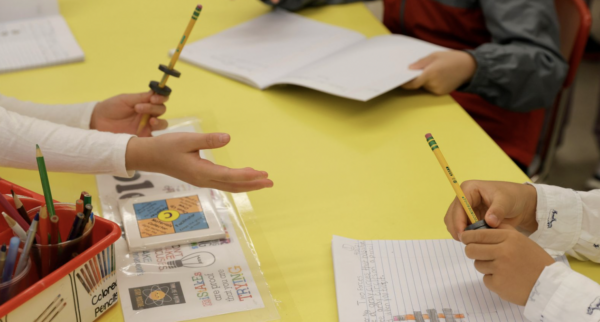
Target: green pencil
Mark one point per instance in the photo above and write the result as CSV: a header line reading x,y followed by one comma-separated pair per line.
x,y
45,183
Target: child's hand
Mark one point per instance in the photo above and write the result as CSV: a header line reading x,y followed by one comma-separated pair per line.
x,y
177,155
443,71
122,113
511,262
497,202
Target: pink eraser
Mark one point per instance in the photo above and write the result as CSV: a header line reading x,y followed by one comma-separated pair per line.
x,y
199,7
428,135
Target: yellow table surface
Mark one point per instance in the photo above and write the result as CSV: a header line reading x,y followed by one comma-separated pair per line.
x,y
359,170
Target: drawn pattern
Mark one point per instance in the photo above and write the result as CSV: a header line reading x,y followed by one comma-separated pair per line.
x,y
170,216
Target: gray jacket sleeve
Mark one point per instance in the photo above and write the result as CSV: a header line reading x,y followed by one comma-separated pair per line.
x,y
294,5
522,68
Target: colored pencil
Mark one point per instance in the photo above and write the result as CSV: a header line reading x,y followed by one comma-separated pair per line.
x,y
95,271
43,226
12,212
87,212
87,279
2,257
87,199
46,310
163,82
87,289
15,227
27,247
112,246
45,182
54,309
451,178
92,277
79,206
59,309
11,258
96,268
108,260
20,207
104,263
54,232
76,226
100,265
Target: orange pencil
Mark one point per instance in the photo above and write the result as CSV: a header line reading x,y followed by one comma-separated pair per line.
x,y
79,205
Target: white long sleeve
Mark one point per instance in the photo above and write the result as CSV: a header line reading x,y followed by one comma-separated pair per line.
x,y
568,222
65,148
73,115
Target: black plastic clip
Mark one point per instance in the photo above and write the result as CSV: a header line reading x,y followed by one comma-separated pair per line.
x,y
478,225
164,91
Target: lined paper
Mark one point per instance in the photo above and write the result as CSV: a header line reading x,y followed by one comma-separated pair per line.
x,y
413,280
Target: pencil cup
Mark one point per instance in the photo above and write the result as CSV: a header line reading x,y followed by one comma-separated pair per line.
x,y
50,257
18,283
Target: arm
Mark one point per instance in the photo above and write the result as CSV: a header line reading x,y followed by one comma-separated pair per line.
x,y
521,69
295,5
74,115
69,149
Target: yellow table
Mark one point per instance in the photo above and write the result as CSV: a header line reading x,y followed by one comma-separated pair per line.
x,y
359,170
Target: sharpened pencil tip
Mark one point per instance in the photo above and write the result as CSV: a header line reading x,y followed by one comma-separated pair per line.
x,y
38,151
37,217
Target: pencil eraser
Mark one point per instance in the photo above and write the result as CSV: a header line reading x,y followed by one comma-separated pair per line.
x,y
428,135
199,7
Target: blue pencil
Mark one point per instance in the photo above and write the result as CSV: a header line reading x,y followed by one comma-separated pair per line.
x,y
11,258
101,266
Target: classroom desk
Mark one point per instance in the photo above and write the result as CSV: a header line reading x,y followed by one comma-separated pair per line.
x,y
359,170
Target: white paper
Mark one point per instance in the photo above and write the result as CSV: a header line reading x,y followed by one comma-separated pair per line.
x,y
388,280
34,34
367,69
261,51
187,282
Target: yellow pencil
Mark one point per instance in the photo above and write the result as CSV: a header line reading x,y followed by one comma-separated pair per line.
x,y
450,175
170,70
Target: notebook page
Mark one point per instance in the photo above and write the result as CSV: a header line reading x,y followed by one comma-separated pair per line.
x,y
418,280
26,9
264,49
367,69
37,42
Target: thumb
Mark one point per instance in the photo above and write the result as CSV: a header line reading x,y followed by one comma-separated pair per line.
x,y
423,62
497,211
202,141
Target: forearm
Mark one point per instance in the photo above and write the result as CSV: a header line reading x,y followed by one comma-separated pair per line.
x,y
561,294
73,115
66,149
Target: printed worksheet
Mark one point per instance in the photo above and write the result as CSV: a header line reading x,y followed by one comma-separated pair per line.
x,y
418,280
34,34
187,281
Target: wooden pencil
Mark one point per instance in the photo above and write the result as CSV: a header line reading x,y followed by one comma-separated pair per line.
x,y
20,207
180,45
451,178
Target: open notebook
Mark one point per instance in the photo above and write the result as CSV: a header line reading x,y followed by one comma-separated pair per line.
x,y
285,48
34,34
413,280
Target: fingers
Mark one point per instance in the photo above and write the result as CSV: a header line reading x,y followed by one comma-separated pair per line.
x,y
416,83
225,174
152,109
202,141
158,124
498,210
158,99
456,219
484,267
484,236
480,252
423,62
242,186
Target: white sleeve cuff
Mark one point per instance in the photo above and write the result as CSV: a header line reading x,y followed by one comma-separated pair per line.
x,y
86,115
119,155
561,294
559,214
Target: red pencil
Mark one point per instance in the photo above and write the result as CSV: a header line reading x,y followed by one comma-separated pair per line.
x,y
54,230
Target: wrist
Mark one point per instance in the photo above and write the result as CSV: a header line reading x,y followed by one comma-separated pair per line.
x,y
529,221
139,154
93,124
